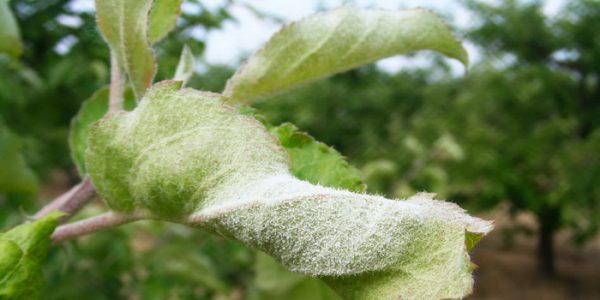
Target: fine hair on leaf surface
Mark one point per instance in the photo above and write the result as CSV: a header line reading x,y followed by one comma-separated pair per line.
x,y
185,156
335,41
165,152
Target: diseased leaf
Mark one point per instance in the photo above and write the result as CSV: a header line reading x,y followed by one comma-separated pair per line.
x,y
22,252
331,42
91,111
10,38
185,156
124,26
316,162
163,15
15,175
185,67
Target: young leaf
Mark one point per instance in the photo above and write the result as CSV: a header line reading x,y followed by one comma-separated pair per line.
x,y
91,111
22,252
10,38
163,15
15,175
315,162
331,42
124,26
185,67
185,156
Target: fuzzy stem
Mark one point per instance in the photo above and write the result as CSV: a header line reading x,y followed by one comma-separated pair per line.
x,y
72,201
115,100
93,224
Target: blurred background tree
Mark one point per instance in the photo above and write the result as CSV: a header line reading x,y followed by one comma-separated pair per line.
x,y
522,128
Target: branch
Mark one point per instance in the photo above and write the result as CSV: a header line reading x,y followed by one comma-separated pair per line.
x,y
72,201
115,97
93,224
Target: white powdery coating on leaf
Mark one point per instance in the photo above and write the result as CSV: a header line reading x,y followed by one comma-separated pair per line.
x,y
185,156
323,231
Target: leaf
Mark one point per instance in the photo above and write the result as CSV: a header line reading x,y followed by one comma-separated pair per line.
x,y
274,282
10,38
471,239
91,111
163,16
22,252
315,162
335,41
185,67
124,26
184,156
15,175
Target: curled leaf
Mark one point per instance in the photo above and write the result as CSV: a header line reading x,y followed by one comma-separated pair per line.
x,y
185,156
331,42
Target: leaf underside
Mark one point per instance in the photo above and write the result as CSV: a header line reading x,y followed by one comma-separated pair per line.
x,y
335,41
185,156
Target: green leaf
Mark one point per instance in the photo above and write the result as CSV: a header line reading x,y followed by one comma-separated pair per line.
x,y
185,156
331,42
15,175
163,16
316,162
22,252
91,111
471,239
185,67
124,26
274,282
10,38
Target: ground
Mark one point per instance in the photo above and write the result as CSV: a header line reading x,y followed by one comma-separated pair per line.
x,y
508,268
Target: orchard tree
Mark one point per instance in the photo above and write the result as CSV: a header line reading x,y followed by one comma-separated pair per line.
x,y
164,152
533,115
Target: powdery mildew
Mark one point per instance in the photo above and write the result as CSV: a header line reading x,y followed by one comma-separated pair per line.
x,y
185,156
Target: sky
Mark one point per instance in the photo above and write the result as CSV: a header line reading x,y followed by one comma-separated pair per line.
x,y
246,35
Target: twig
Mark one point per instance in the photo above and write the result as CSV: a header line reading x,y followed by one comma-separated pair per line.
x,y
115,94
72,201
93,224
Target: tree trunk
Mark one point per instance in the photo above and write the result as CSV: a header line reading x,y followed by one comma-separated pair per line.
x,y
548,219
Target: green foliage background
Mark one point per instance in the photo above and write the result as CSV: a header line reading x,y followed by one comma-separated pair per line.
x,y
523,128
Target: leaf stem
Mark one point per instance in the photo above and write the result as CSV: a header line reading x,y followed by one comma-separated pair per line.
x,y
93,224
72,201
115,100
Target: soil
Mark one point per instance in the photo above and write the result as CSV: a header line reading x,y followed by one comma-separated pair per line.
x,y
508,268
